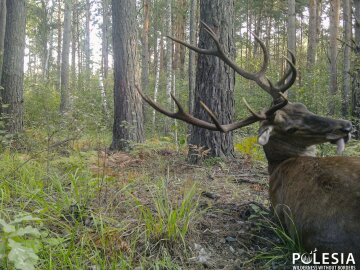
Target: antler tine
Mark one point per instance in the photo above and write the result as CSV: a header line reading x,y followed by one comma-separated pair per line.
x,y
194,48
288,71
212,116
223,56
188,118
259,116
178,105
277,106
292,79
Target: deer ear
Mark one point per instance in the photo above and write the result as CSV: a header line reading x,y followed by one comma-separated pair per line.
x,y
264,134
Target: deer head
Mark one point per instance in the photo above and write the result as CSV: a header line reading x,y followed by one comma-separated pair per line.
x,y
286,129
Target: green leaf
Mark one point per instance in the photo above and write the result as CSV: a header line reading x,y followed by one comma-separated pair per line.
x,y
20,219
7,228
22,257
28,230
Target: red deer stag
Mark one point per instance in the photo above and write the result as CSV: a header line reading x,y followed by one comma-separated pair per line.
x,y
320,195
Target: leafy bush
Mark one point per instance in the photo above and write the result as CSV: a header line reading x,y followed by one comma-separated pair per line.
x,y
19,244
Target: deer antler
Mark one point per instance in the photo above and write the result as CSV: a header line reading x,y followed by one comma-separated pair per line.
x,y
180,114
258,77
276,91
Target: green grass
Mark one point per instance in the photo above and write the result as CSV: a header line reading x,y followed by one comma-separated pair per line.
x,y
280,246
78,220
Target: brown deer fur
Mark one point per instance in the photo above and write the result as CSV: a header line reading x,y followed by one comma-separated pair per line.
x,y
319,195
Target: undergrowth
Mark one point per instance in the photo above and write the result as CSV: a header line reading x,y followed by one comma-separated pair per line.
x,y
68,222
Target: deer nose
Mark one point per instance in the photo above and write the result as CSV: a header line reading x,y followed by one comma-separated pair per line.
x,y
347,128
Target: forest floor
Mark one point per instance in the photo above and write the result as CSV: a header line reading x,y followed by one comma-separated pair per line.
x,y
147,209
231,229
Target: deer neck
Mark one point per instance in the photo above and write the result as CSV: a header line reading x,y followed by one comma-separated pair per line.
x,y
280,148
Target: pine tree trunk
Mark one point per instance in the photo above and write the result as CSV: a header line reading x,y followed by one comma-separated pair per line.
x,y
334,26
346,64
192,55
214,81
49,45
74,45
59,40
12,79
145,49
65,95
105,56
128,115
169,64
157,77
311,49
2,31
180,20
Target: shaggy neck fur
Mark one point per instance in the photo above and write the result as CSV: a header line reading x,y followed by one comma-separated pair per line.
x,y
279,149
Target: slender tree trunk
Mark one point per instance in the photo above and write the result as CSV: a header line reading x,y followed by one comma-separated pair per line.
x,y
169,64
192,55
334,26
157,77
59,40
43,33
291,26
145,48
180,20
12,79
258,25
291,29
128,115
73,43
214,81
105,55
355,105
2,32
87,40
311,49
346,70
65,95
49,45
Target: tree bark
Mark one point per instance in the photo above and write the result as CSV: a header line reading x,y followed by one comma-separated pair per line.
x,y
59,40
145,48
311,49
128,115
192,55
334,26
169,64
180,20
74,27
214,81
49,44
2,32
157,77
346,68
64,78
105,55
12,79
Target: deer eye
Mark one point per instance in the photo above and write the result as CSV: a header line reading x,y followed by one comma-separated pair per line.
x,y
291,130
